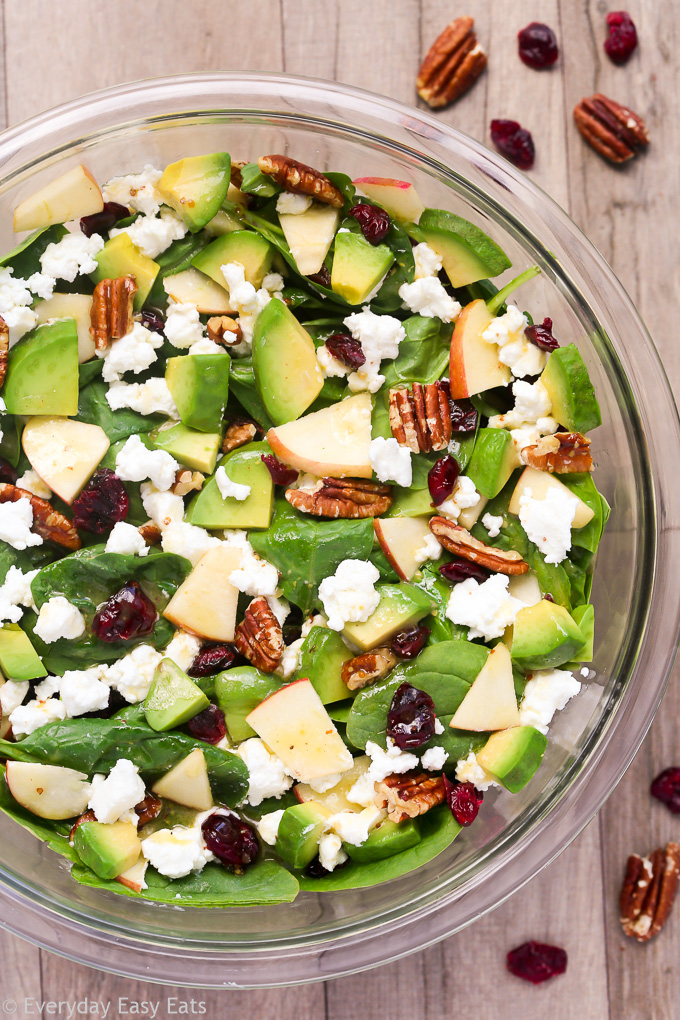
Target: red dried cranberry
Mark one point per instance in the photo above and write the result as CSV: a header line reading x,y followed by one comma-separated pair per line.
x,y
102,503
537,46
346,349
666,788
536,962
411,717
461,570
213,660
442,478
7,472
281,473
101,222
315,868
464,801
208,725
153,320
232,840
128,614
622,39
514,142
542,335
409,643
323,277
374,222
464,416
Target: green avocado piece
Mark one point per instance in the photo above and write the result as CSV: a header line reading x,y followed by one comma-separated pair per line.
x,y
411,503
492,462
584,616
18,658
196,187
108,849
244,246
401,605
544,636
321,659
245,467
299,830
120,257
287,374
199,384
574,404
512,756
358,266
467,253
197,450
42,371
388,838
173,698
238,692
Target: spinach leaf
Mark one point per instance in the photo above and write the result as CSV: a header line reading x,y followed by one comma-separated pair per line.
x,y
55,834
89,371
583,486
242,386
10,444
344,184
441,628
10,557
25,258
94,409
423,353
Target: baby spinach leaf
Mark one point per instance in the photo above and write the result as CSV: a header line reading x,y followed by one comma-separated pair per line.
x,y
583,486
344,184
55,834
25,258
89,371
441,628
423,353
10,557
242,386
94,409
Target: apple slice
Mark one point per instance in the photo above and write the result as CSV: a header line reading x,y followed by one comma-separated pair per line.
x,y
48,791
474,365
490,704
401,538
71,196
525,587
399,198
335,799
469,516
540,482
187,783
295,725
71,306
333,441
310,235
195,288
205,603
65,453
133,878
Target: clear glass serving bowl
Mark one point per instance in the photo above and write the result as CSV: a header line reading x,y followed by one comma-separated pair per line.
x,y
636,593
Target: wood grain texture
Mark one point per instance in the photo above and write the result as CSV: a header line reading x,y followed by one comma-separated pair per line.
x,y
630,214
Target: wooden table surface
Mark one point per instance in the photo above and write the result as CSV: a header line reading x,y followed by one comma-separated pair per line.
x,y
54,52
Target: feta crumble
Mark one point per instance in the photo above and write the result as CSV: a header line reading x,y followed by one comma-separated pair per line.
x,y
135,462
379,336
137,191
126,539
427,296
12,693
247,301
176,852
330,366
331,853
289,204
519,354
14,300
83,691
26,719
164,508
486,608
547,522
230,489
386,762
150,397
464,497
429,550
153,234
15,594
188,540
547,692
132,675
468,770
255,576
428,263
290,660
32,481
268,826
434,758
183,326
492,524
58,618
15,524
349,595
72,256
390,461
267,773
354,826
134,352
183,649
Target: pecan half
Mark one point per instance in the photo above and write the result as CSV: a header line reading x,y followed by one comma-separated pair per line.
x,y
238,434
342,497
151,533
88,816
459,541
236,166
614,131
111,311
301,179
453,64
4,349
369,666
559,454
187,481
222,329
420,418
409,795
47,522
259,637
148,809
648,892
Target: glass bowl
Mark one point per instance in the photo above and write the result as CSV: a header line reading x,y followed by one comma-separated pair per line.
x,y
636,593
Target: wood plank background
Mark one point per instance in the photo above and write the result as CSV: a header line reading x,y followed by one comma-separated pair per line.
x,y
631,214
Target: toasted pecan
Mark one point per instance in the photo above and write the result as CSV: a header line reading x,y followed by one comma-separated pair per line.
x,y
420,417
453,64
459,541
259,637
648,892
349,498
222,329
111,311
409,795
613,130
187,481
148,809
151,533
301,179
561,453
4,349
49,523
366,668
238,433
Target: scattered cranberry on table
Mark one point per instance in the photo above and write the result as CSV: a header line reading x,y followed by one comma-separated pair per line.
x,y
666,788
374,222
514,142
538,46
102,503
281,473
536,962
346,349
411,718
442,478
622,39
464,801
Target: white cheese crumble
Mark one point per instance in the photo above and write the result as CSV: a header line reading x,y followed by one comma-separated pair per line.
x,y
290,660
434,758
324,783
492,524
135,462
532,403
247,301
14,300
72,256
468,770
126,539
176,852
12,693
330,366
133,352
429,550
331,853
349,595
58,618
82,690
205,346
15,524
428,263
42,285
132,675
153,234
379,336
26,719
15,594
32,481
183,649
486,608
150,397
438,728
354,826
183,326
463,497
289,204
363,791
230,489
163,508
428,296
136,191
280,608
267,775
547,692
387,762
255,576
519,354
390,461
547,522
47,687
268,826
188,540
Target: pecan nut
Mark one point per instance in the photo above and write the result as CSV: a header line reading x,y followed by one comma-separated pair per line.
x,y
148,809
614,131
88,816
648,892
409,795
342,497
560,454
187,481
420,418
459,541
453,64
151,533
369,666
4,349
238,434
301,179
259,637
222,329
236,177
111,311
49,523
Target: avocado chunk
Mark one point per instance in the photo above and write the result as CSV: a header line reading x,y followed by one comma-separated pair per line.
x,y
544,636
108,849
173,698
493,461
120,257
410,503
574,404
287,374
199,384
321,659
197,450
42,371
244,246
584,617
467,253
358,266
401,605
245,467
513,756
299,831
238,692
18,658
196,187
388,838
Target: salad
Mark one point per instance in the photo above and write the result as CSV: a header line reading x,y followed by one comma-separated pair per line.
x,y
297,529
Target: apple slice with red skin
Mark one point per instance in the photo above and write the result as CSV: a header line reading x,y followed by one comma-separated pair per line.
x,y
73,195
48,791
133,878
474,365
400,539
399,198
333,441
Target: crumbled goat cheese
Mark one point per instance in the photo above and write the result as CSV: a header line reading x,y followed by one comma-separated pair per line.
x,y
183,327
255,576
331,853
42,285
390,461
292,205
81,691
72,256
268,826
12,693
153,234
492,524
438,728
392,760
519,354
133,352
486,608
132,675
14,300
32,481
547,692
136,191
463,497
363,791
429,550
349,595
188,540
531,403
434,758
330,366
379,336
280,608
205,346
15,524
49,686
248,301
324,783
428,263
547,522
230,489
25,719
183,649
176,852
15,594
266,771
164,508
354,826
468,770
126,539
135,462
290,660
150,397
58,618
427,296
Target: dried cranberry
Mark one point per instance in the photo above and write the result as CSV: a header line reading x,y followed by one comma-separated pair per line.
x,y
536,962
346,349
622,39
232,841
442,478
315,868
461,570
542,335
515,142
153,320
7,472
323,277
281,473
464,416
208,725
666,788
101,222
129,613
537,46
464,801
411,717
374,222
102,503
409,643
213,660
